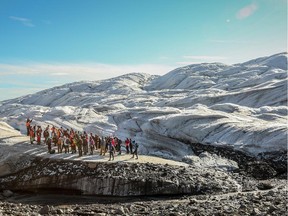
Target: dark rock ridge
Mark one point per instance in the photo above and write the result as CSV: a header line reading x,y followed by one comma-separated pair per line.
x,y
118,179
262,202
263,166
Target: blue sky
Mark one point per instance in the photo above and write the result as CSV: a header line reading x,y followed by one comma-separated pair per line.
x,y
44,43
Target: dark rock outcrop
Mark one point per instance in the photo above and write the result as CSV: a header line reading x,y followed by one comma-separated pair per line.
x,y
118,179
263,202
263,166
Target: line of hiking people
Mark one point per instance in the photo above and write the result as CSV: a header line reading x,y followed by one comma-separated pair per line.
x,y
74,141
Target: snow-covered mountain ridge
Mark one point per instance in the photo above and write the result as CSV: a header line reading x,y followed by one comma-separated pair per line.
x,y
242,105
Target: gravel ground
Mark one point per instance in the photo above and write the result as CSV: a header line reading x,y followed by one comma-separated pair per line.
x,y
258,197
256,202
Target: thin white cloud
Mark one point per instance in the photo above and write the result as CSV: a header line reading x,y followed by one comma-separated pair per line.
x,y
60,74
88,71
39,76
8,69
232,41
198,59
208,58
16,92
184,63
25,21
246,11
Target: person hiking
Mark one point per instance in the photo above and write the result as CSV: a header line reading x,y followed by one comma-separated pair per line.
x,y
59,133
72,133
111,150
135,152
66,144
73,142
102,146
49,144
112,140
54,139
39,133
61,130
119,146
96,141
107,139
46,134
53,130
32,135
91,144
85,143
66,133
127,143
59,144
79,144
131,146
34,130
28,124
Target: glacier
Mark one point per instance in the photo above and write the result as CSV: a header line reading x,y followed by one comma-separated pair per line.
x,y
243,106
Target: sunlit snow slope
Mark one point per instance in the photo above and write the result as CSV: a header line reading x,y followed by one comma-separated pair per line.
x,y
242,105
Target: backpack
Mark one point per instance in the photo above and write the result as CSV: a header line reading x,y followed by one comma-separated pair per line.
x,y
46,133
67,142
49,141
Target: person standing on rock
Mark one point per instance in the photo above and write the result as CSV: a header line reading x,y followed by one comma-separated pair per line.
x,y
135,152
127,143
34,131
85,143
131,146
32,135
107,139
28,124
119,142
79,144
102,146
96,141
66,144
112,140
59,144
49,144
91,144
59,133
111,149
73,144
46,134
53,130
39,133
54,139
99,142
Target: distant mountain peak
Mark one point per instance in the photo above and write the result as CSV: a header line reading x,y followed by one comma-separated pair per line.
x,y
278,60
